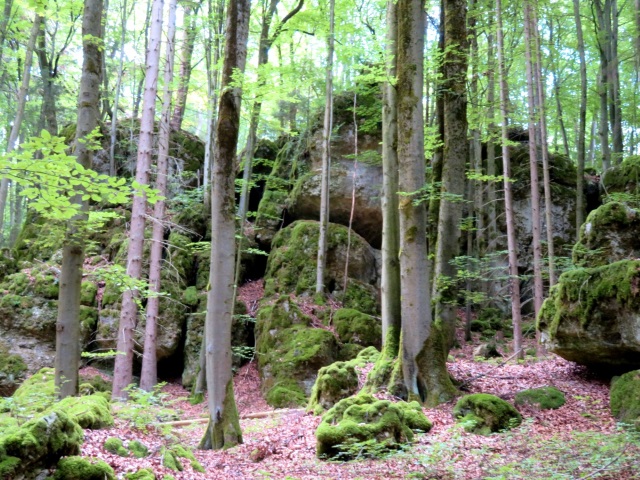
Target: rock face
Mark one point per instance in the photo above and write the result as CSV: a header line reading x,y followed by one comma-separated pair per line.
x,y
592,316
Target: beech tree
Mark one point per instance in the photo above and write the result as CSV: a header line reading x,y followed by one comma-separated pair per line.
x,y
123,367
223,430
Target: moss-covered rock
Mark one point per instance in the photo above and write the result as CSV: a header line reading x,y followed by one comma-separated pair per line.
x,y
483,414
625,398
37,393
142,474
92,412
591,316
544,398
88,293
12,371
291,267
83,468
353,326
172,458
138,449
338,380
622,178
609,234
114,445
362,418
290,352
39,443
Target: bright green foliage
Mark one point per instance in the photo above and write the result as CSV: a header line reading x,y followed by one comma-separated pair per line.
x,y
625,398
81,468
114,445
142,474
51,182
544,398
363,418
484,414
338,380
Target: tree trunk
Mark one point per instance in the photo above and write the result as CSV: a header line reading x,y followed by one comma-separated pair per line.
x,y
582,118
223,430
491,146
123,367
603,80
390,282
68,321
533,163
456,153
149,373
48,87
116,100
414,271
326,156
17,122
508,191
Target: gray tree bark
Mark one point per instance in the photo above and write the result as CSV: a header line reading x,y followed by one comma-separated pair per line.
x,y
223,430
123,367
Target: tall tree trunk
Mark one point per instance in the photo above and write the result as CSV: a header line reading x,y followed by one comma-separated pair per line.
x,y
21,103
68,321
149,373
491,146
456,153
390,282
414,271
188,43
48,92
326,156
614,85
123,367
512,246
116,100
223,430
582,118
603,42
556,87
533,162
137,87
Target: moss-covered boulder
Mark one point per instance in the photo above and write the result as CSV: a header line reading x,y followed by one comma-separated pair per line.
x,y
592,316
362,422
290,352
338,380
38,443
353,326
291,267
610,233
92,411
142,474
622,178
83,468
544,398
175,456
115,445
483,414
625,398
12,371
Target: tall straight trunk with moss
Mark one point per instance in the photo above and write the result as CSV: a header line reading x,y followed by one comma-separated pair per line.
x,y
326,157
512,246
390,282
68,321
123,368
456,152
149,373
414,271
223,430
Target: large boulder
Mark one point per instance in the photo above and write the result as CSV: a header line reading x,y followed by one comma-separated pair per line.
x,y
362,425
592,316
609,234
625,398
484,414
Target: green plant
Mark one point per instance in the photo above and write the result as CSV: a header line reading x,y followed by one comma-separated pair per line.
x,y
143,409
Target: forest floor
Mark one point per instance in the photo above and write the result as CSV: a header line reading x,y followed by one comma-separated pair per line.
x,y
578,440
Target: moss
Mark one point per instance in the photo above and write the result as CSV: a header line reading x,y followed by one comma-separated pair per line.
x,y
12,366
337,381
168,477
170,460
9,466
363,418
82,468
362,297
88,318
353,326
93,411
111,294
36,393
190,296
114,445
180,452
545,398
483,414
138,449
580,293
142,474
97,382
179,255
625,398
286,393
46,286
88,292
